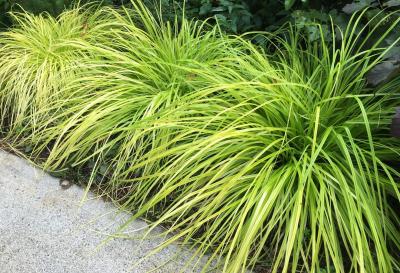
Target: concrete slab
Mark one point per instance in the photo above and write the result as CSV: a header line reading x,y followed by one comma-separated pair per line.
x,y
43,229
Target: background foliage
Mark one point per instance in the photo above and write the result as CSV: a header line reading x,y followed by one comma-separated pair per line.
x,y
238,16
243,15
235,15
54,7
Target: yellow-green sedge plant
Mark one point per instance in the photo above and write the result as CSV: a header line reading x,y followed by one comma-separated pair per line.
x,y
281,161
146,66
38,59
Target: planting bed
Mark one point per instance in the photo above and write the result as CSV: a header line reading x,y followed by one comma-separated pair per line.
x,y
278,157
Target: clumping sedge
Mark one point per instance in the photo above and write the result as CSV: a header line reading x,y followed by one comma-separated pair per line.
x,y
278,157
38,59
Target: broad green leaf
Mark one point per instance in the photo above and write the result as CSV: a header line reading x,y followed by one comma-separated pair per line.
x,y
392,3
289,4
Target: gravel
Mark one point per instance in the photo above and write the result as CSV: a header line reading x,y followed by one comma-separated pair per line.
x,y
45,228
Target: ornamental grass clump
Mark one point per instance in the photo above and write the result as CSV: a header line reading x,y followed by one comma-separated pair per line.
x,y
145,67
280,160
38,59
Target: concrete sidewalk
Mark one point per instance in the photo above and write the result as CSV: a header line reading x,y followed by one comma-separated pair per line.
x,y
43,229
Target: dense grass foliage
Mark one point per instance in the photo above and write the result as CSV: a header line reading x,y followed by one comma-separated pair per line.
x,y
278,157
144,67
38,59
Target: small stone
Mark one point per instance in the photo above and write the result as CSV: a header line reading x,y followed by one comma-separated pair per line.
x,y
65,184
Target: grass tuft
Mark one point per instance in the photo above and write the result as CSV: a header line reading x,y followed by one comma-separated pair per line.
x,y
38,59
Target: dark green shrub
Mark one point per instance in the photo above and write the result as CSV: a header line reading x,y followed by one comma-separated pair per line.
x,y
4,7
54,7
